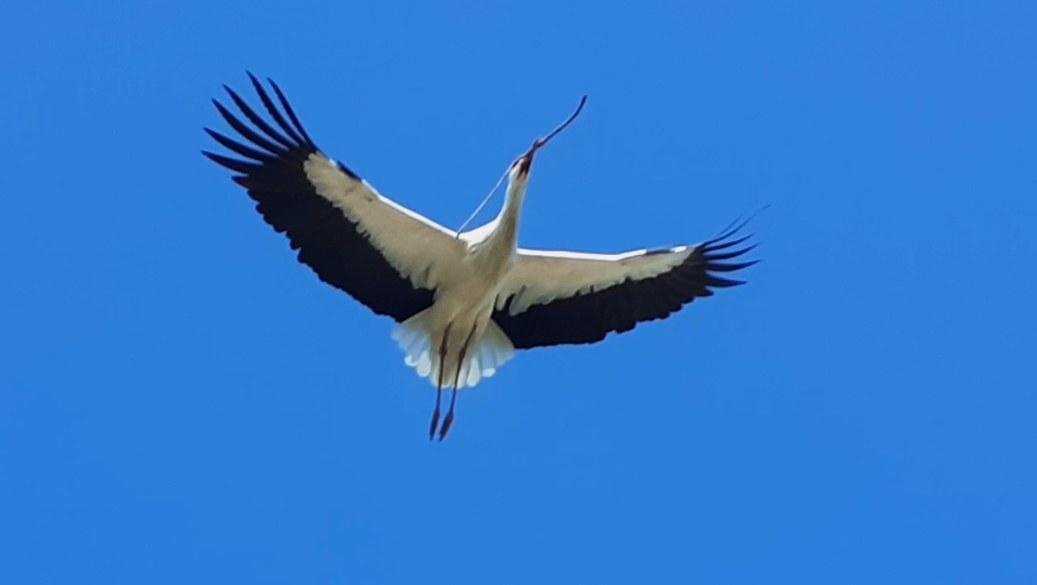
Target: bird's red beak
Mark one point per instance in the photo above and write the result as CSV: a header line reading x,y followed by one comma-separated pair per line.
x,y
526,160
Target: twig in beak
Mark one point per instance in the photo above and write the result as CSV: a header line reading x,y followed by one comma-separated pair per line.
x,y
526,159
542,141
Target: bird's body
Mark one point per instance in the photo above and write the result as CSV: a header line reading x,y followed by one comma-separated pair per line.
x,y
463,302
453,342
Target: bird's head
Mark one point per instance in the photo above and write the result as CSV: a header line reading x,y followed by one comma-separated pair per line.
x,y
518,176
519,171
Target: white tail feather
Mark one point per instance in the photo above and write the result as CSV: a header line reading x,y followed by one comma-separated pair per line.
x,y
486,355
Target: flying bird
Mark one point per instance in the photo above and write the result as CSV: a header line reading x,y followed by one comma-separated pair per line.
x,y
464,301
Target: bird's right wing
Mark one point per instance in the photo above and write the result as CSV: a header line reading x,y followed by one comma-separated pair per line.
x,y
551,298
384,255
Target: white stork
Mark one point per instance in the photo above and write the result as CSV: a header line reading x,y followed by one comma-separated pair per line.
x,y
463,302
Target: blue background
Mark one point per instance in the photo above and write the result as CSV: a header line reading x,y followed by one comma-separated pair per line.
x,y
181,401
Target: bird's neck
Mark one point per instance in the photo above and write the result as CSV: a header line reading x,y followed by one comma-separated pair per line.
x,y
508,219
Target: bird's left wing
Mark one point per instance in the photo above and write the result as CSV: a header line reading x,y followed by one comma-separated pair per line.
x,y
384,255
551,298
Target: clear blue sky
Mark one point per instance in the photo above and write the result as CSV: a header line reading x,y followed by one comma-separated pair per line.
x,y
182,402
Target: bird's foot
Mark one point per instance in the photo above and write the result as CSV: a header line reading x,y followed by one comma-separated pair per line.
x,y
446,425
432,425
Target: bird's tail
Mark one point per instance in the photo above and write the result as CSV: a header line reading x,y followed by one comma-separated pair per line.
x,y
485,356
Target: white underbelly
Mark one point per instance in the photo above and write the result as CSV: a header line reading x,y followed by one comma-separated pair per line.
x,y
471,298
455,338
466,302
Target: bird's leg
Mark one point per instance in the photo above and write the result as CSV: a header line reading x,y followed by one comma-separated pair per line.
x,y
449,415
435,415
457,380
439,385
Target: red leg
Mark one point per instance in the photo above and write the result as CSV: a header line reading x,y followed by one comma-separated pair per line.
x,y
457,378
439,386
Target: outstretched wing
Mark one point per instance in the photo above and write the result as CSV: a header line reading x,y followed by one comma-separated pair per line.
x,y
384,255
551,298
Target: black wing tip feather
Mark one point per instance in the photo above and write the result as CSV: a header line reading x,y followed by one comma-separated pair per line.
x,y
286,138
238,166
737,225
728,245
291,113
278,140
